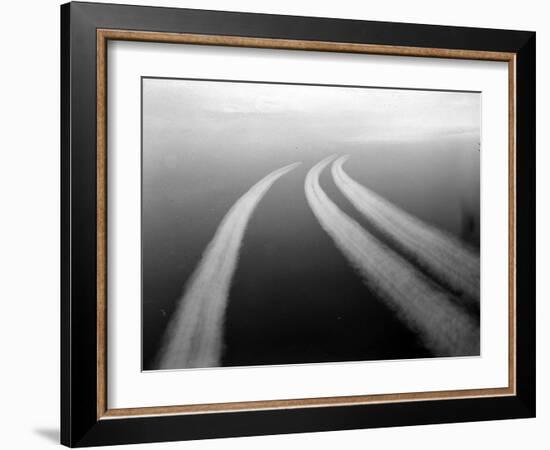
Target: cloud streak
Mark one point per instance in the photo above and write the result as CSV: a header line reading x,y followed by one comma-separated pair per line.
x,y
444,257
443,327
194,336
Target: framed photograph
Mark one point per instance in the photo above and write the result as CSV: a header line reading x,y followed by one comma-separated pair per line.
x,y
277,224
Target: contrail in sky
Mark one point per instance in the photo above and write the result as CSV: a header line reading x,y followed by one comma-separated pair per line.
x,y
194,336
442,256
442,326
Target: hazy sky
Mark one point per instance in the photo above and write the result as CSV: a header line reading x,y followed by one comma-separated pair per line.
x,y
353,114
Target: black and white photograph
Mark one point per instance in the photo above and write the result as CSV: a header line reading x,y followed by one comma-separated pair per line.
x,y
296,224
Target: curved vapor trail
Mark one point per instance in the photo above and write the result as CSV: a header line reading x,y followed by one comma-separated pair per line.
x,y
443,327
194,337
444,257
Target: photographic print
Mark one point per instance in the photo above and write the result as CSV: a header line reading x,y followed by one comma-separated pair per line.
x,y
296,224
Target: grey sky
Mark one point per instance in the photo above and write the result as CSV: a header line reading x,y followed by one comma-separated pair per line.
x,y
322,112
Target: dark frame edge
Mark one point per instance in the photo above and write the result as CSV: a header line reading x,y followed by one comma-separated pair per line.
x,y
65,187
526,223
78,228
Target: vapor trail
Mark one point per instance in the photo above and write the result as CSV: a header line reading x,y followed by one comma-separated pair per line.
x,y
444,328
444,257
194,336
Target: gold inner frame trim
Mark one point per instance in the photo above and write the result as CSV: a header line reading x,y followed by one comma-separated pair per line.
x,y
103,36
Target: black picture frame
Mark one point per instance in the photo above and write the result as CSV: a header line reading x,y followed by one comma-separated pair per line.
x,y
80,425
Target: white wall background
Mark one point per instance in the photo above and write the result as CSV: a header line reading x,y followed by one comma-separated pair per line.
x,y
29,225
